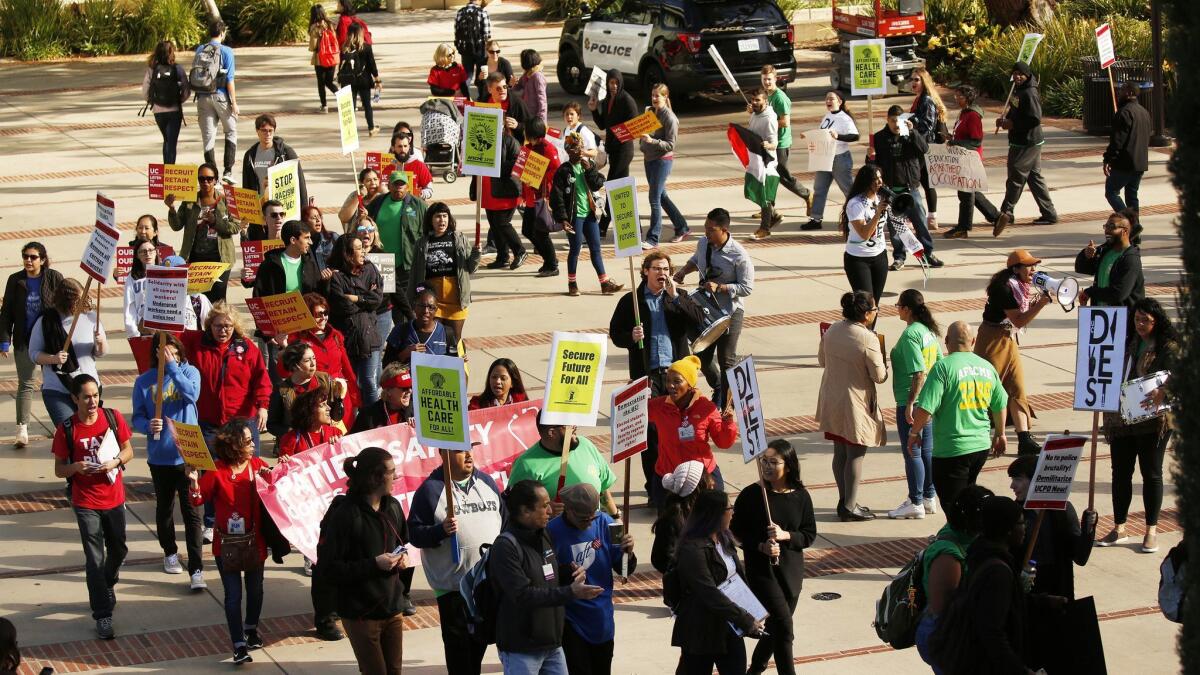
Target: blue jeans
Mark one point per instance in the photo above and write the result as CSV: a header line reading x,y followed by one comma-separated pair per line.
x,y
169,124
232,581
843,169
210,437
925,630
918,470
1129,181
103,535
59,406
657,172
589,228
548,662
916,215
366,369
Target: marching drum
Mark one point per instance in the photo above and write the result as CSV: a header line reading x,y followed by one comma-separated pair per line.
x,y
716,320
1135,391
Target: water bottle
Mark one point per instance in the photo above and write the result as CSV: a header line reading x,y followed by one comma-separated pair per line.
x,y
377,96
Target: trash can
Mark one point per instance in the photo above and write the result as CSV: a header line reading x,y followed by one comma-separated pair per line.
x,y
1098,92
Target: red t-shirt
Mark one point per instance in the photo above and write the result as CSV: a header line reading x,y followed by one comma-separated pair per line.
x,y
92,491
232,494
295,442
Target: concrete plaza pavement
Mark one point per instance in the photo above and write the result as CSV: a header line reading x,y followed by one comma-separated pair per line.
x,y
70,128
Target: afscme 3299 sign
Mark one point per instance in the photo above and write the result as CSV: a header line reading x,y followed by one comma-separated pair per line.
x,y
590,45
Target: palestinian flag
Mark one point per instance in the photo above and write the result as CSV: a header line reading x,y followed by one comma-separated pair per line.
x,y
762,176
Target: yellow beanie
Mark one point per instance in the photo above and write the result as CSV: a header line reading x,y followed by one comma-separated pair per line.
x,y
687,367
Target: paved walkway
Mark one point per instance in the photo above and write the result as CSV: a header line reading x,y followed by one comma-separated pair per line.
x,y
71,128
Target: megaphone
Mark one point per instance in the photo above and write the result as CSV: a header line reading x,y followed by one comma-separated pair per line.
x,y
1065,290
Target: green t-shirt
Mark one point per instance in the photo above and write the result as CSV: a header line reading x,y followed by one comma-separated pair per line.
x,y
291,272
1104,271
585,464
388,221
960,391
915,352
581,192
782,105
949,542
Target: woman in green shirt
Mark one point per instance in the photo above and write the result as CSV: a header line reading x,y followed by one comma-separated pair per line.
x,y
914,354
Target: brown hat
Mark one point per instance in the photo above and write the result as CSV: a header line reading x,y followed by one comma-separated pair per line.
x,y
580,498
1022,257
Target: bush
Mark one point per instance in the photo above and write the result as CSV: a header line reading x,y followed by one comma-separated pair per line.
x,y
1064,99
562,9
1104,10
954,30
32,30
272,22
180,21
96,27
368,5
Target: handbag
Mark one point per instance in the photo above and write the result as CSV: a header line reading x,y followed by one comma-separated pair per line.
x,y
239,552
543,216
941,133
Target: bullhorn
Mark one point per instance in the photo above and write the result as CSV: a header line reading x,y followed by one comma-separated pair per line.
x,y
1065,290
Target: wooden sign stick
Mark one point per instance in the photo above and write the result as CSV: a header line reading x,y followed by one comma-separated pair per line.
x,y
562,470
87,287
162,368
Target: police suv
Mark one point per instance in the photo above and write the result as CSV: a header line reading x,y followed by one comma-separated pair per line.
x,y
653,41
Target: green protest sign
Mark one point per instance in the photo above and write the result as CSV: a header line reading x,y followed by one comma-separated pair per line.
x,y
1029,47
868,69
622,204
440,401
482,127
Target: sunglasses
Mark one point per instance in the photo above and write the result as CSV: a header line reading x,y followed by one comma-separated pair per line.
x,y
493,51
320,315
366,228
30,257
277,214
208,179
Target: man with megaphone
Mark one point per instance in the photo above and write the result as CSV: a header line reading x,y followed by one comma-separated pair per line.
x,y
1116,264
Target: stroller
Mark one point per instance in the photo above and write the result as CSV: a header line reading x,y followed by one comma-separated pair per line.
x,y
440,135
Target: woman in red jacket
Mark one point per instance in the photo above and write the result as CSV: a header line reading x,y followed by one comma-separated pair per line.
x,y
310,425
504,386
968,133
329,346
685,422
232,493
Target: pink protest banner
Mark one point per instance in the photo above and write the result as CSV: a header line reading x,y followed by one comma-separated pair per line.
x,y
298,493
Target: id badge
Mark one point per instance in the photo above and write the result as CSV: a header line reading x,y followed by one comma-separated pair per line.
x,y
687,432
235,525
548,572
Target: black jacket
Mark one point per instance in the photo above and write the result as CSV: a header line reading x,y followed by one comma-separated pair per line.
x,y
283,152
357,320
12,313
516,110
614,109
504,187
1129,144
791,511
924,119
531,614
352,534
899,157
996,605
272,280
562,189
1061,544
682,315
703,614
375,416
1126,283
1025,112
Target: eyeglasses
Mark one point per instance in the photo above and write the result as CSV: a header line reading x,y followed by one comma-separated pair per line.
x,y
31,257
770,462
873,309
223,327
208,179
432,308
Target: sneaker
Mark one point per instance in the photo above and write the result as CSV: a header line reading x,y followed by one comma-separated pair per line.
x,y
808,199
228,178
1150,543
1002,222
198,581
489,250
22,439
330,633
680,237
956,233
171,564
609,287
760,234
408,608
324,108
1046,220
1113,538
242,655
104,628
519,260
756,215
208,535
253,639
777,220
373,131
896,266
572,289
934,261
812,224
930,505
649,245
497,264
548,272
307,567
907,510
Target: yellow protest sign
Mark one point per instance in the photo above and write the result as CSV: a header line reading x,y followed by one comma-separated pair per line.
x,y
281,314
180,180
244,204
202,275
573,379
868,70
346,122
283,181
646,123
192,448
531,167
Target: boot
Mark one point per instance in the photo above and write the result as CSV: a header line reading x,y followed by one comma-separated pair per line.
x,y
1026,445
230,159
572,288
608,287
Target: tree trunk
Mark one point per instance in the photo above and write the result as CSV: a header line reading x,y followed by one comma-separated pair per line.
x,y
213,13
1014,12
1183,50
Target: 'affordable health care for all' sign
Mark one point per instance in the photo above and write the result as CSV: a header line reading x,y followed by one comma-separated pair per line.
x,y
573,379
440,401
868,67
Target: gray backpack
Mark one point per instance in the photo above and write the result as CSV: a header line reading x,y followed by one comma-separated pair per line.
x,y
205,75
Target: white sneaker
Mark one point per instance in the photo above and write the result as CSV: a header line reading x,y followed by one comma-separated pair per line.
x,y
198,581
307,567
22,438
907,510
930,506
171,564
208,535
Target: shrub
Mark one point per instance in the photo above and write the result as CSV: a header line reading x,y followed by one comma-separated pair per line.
x,y
1064,99
179,21
97,27
273,22
368,5
1103,10
954,29
32,30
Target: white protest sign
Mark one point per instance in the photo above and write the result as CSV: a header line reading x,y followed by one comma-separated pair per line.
x,y
912,245
747,403
959,168
100,254
626,225
821,149
386,264
106,211
868,67
629,422
481,141
1100,358
167,304
1104,45
596,86
440,401
347,124
574,377
1050,487
716,57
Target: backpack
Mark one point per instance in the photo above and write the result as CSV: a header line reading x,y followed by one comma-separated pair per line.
x,y
327,49
481,596
165,88
1172,588
69,429
353,70
898,609
205,76
468,33
672,588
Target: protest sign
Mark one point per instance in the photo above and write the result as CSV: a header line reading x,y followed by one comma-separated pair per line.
x,y
626,226
124,263
283,179
244,204
646,123
106,211
346,121
440,401
868,67
167,303
192,448
253,253
202,275
100,254
747,403
574,376
721,66
181,180
555,137
386,264
629,422
1050,487
1100,358
298,492
384,164
482,128
596,86
1029,47
281,314
959,168
531,167
821,148
1104,46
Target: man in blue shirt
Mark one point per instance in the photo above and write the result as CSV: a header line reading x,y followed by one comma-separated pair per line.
x,y
582,538
216,99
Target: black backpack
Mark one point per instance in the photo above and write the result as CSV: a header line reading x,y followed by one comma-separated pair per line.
x,y
353,70
69,429
165,88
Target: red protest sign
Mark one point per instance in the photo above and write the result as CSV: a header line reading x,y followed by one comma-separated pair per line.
x,y
125,260
180,180
253,253
384,163
297,493
530,167
629,421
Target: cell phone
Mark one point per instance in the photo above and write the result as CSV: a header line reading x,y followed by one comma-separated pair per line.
x,y
400,549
